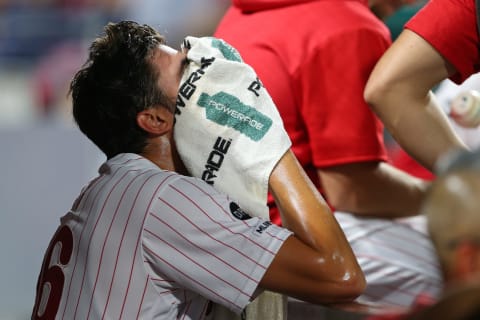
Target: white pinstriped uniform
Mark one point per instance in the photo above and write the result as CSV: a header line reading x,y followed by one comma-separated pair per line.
x,y
396,256
152,244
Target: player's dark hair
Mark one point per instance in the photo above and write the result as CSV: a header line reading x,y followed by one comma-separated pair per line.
x,y
115,84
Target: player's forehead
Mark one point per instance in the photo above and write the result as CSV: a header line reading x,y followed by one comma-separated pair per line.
x,y
163,55
167,50
169,64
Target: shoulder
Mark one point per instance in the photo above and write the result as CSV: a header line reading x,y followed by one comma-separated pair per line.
x,y
448,25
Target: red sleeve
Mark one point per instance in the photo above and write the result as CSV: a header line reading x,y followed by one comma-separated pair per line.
x,y
450,27
341,126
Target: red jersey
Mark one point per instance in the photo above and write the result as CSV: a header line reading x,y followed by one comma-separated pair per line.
x,y
315,63
450,27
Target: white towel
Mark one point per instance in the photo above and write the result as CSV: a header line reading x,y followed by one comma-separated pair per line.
x,y
228,131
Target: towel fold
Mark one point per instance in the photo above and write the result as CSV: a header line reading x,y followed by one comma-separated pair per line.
x,y
228,130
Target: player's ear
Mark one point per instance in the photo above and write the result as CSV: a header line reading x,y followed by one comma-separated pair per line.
x,y
156,120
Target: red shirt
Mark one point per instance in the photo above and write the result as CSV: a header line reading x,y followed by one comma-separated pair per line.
x,y
314,58
450,27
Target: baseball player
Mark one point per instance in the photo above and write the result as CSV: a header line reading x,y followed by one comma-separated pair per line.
x,y
145,241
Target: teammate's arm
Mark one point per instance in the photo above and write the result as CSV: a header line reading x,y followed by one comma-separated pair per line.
x,y
316,264
375,189
398,90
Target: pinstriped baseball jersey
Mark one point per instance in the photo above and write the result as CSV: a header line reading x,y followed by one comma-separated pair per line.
x,y
397,257
143,243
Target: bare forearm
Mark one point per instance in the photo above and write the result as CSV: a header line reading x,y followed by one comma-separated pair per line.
x,y
303,209
317,264
418,125
374,189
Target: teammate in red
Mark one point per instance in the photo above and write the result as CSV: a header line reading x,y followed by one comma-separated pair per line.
x,y
314,57
144,240
441,41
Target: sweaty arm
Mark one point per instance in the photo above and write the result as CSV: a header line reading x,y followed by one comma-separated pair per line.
x,y
316,264
399,91
375,189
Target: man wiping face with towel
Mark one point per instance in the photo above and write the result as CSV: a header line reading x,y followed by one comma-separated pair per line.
x,y
192,143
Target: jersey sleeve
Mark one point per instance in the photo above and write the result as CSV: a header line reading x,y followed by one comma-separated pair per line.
x,y
340,124
450,27
202,241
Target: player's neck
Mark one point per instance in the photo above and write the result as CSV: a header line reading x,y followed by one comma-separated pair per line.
x,y
163,153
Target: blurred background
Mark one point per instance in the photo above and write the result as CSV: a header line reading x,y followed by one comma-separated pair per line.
x,y
44,159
